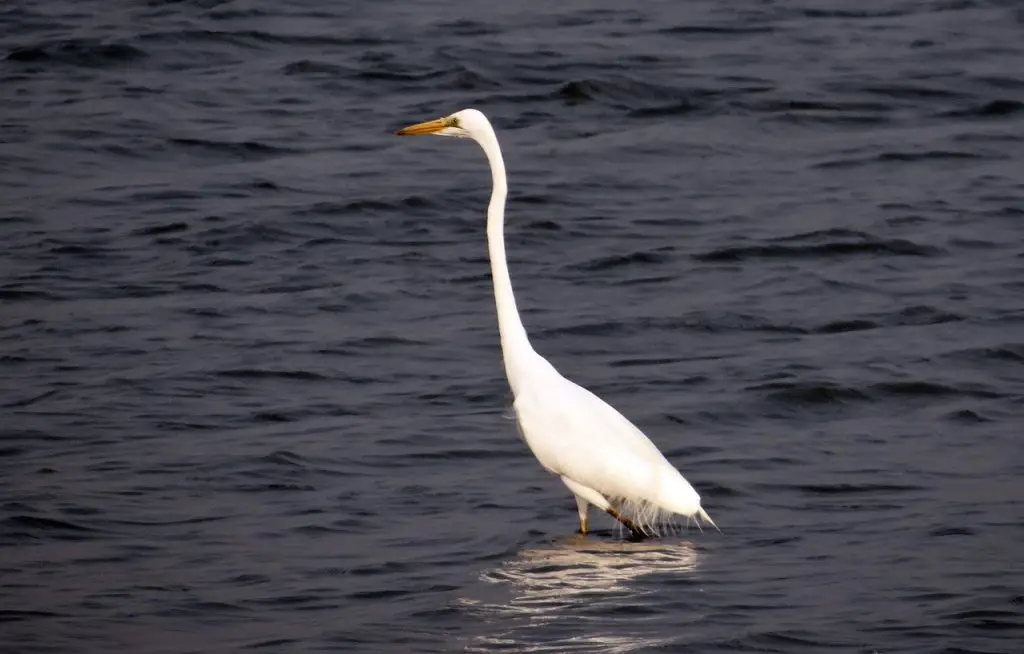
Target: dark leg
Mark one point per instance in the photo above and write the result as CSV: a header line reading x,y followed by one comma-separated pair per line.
x,y
635,533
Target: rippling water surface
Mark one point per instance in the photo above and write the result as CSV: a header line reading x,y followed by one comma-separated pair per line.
x,y
252,396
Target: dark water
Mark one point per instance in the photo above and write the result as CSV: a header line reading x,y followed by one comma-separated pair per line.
x,y
252,397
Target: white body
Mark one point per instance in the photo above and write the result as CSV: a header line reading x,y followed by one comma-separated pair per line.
x,y
599,454
578,436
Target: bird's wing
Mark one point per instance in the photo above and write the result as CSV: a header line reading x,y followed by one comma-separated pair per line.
x,y
573,432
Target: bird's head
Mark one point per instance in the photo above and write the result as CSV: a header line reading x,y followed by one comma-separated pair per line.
x,y
467,124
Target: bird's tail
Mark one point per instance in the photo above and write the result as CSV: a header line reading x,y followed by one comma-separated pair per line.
x,y
703,515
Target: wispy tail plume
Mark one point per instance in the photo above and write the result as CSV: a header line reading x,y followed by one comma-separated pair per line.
x,y
703,515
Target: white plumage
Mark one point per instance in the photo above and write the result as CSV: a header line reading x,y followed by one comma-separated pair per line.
x,y
599,454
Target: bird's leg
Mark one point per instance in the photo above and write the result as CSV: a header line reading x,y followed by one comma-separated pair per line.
x,y
581,506
634,531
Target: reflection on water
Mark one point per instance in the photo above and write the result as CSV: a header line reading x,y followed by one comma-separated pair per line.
x,y
579,595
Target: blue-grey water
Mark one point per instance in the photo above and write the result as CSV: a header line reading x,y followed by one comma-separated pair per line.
x,y
252,396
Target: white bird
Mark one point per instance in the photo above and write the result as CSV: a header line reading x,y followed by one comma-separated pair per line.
x,y
599,454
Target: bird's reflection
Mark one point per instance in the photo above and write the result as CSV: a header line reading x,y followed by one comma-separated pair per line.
x,y
579,595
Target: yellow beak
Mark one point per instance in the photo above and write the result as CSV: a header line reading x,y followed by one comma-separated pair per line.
x,y
429,127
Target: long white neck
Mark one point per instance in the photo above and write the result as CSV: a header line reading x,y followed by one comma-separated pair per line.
x,y
515,345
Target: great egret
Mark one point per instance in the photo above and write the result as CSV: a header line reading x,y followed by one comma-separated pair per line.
x,y
599,454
